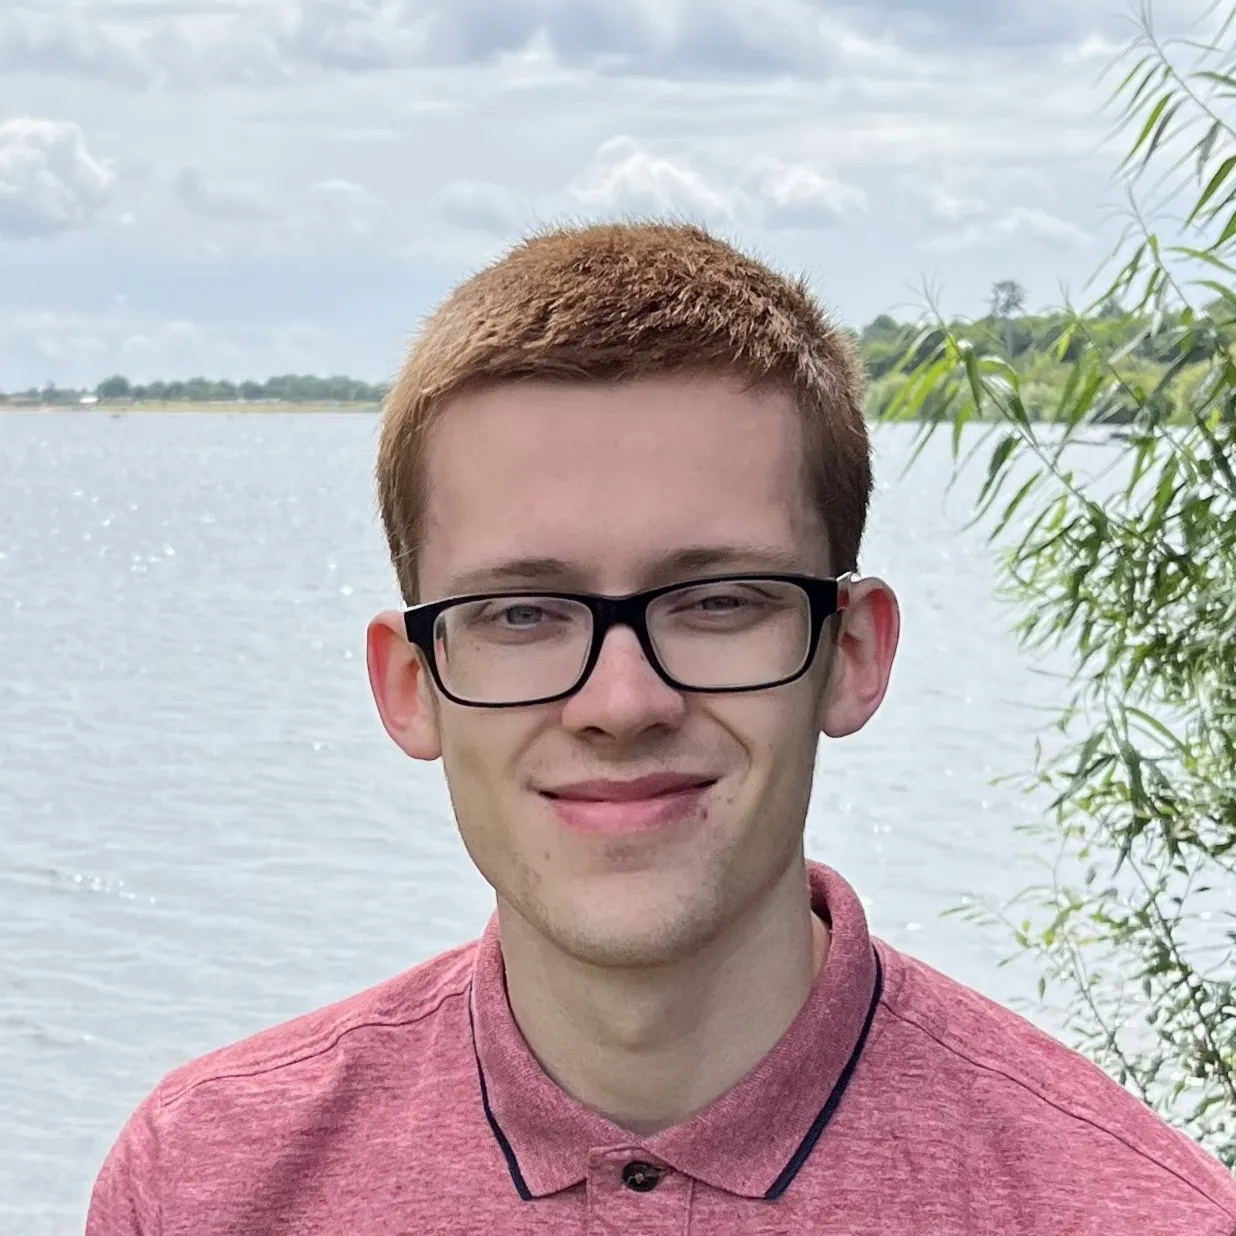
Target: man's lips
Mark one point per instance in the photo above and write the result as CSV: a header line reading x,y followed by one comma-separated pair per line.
x,y
637,805
651,786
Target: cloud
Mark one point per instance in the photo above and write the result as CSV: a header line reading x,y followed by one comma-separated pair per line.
x,y
1020,223
653,38
190,46
954,207
49,181
55,336
352,35
1092,47
67,44
669,39
228,203
340,207
481,206
745,37
82,347
265,43
797,196
193,44
476,31
187,346
625,178
1010,23
400,143
673,38
255,218
250,46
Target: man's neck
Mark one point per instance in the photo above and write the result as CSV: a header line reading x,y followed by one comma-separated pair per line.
x,y
649,1049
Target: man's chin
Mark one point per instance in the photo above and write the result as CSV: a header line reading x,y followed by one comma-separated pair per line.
x,y
625,950
627,930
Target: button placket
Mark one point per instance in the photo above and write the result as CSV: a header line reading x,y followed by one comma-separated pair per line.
x,y
630,1191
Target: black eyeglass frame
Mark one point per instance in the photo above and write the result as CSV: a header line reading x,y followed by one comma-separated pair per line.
x,y
826,598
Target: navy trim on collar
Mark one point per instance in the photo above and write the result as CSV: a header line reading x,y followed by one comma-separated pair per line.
x,y
807,1145
504,1144
797,1159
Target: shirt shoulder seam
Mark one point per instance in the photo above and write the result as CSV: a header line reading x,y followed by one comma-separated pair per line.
x,y
1073,1115
311,1051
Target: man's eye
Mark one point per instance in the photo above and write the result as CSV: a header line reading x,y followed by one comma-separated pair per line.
x,y
715,603
520,615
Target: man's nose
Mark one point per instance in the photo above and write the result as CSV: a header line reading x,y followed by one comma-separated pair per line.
x,y
624,694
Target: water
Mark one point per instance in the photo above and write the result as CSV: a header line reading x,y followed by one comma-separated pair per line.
x,y
204,829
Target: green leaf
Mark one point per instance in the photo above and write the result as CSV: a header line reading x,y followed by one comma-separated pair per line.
x,y
1161,130
1015,502
1228,232
1151,121
995,465
1206,145
960,419
1155,70
1167,488
1131,74
1157,727
973,376
1216,182
1203,255
1217,79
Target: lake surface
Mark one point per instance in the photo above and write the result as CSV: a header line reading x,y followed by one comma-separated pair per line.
x,y
204,829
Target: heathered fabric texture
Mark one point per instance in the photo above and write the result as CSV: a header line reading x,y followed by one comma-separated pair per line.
x,y
899,1103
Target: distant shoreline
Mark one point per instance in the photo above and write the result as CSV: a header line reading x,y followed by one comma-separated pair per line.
x,y
1111,432
119,408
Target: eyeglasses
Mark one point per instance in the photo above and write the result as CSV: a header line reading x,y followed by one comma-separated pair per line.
x,y
726,633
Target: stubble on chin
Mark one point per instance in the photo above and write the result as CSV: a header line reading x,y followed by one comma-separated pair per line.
x,y
630,918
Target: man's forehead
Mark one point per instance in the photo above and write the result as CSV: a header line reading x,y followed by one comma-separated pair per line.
x,y
647,569
555,484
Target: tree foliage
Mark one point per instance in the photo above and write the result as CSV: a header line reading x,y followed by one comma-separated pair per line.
x,y
1132,570
284,388
1043,348
1008,299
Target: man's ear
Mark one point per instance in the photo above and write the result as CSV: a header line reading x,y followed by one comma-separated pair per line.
x,y
862,658
402,688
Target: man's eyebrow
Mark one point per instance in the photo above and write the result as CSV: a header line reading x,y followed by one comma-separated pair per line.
x,y
561,574
750,557
515,571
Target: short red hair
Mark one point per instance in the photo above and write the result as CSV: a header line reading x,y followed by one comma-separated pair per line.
x,y
621,301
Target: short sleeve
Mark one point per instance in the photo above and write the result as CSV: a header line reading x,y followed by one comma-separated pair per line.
x,y
124,1201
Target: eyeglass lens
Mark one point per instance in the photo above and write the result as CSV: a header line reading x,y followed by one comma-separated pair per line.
x,y
724,636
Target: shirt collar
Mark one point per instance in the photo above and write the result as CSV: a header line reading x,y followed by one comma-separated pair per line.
x,y
752,1140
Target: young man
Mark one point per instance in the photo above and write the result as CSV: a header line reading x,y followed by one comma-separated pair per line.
x,y
624,477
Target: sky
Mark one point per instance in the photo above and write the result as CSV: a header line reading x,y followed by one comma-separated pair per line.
x,y
238,188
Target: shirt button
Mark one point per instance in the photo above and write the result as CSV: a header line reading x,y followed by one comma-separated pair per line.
x,y
642,1177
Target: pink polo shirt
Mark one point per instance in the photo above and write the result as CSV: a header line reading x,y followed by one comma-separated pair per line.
x,y
899,1102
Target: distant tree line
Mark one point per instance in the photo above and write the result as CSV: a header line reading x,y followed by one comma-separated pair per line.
x,y
1030,338
1157,363
285,388
1041,347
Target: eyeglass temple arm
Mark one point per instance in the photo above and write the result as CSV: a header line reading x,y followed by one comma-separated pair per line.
x,y
844,584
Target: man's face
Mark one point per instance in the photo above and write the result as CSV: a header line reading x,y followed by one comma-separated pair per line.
x,y
612,481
